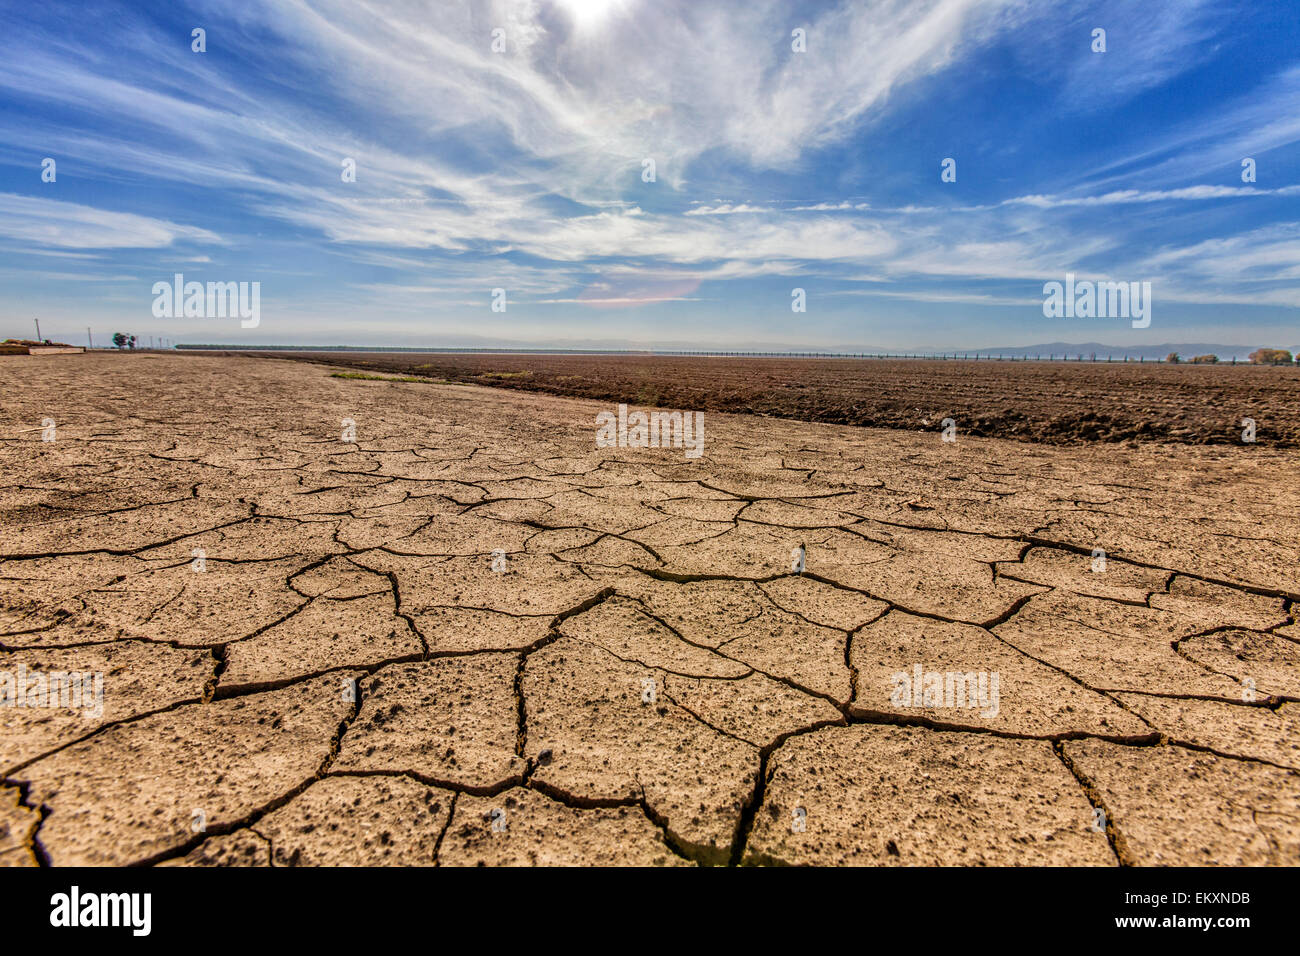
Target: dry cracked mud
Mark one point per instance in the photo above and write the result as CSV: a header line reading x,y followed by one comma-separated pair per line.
x,y
352,622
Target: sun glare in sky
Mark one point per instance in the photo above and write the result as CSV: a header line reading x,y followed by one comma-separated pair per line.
x,y
587,14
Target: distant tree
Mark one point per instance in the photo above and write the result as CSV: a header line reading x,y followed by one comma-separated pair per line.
x,y
1205,360
1172,358
1270,357
130,341
119,340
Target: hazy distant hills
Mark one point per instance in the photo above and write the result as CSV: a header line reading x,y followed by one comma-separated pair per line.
x,y
1088,349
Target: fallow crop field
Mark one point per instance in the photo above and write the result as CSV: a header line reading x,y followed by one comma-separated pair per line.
x,y
1053,402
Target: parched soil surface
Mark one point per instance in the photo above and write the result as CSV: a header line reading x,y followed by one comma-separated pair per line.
x,y
463,634
1041,402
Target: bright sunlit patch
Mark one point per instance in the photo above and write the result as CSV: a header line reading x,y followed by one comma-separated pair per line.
x,y
588,13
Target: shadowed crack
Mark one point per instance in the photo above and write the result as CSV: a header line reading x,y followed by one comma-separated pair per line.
x,y
1114,838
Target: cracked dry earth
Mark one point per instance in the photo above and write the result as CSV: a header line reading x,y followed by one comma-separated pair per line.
x,y
346,680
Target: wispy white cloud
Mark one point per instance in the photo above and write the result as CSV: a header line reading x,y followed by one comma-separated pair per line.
x,y
1250,125
1260,255
725,209
51,222
1128,196
1147,44
954,298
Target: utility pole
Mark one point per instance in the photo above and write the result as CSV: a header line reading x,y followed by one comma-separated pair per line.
x,y
89,340
38,330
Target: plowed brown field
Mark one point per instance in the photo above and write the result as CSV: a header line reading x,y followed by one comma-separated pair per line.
x,y
1054,402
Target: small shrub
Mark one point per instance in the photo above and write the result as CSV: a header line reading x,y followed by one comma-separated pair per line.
x,y
377,378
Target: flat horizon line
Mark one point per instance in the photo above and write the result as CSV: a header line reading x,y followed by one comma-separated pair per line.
x,y
1089,351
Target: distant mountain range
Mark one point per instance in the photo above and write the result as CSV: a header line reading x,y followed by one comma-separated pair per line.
x,y
1157,352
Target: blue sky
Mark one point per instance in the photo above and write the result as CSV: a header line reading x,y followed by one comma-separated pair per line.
x,y
775,170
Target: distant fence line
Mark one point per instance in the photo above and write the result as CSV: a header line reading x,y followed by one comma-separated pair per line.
x,y
709,353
